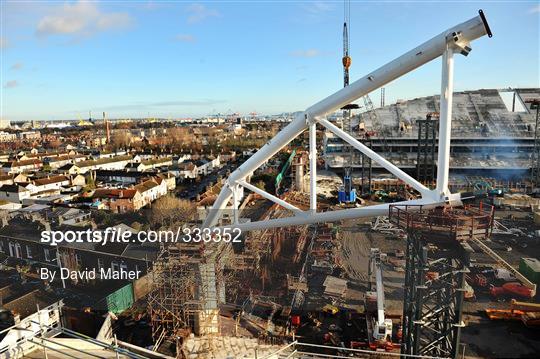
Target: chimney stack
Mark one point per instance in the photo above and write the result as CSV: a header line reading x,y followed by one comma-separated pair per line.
x,y
107,128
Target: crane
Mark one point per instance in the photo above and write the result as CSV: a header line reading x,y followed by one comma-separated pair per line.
x,y
346,60
346,193
380,327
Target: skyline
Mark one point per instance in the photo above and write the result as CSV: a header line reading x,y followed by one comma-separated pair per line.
x,y
188,59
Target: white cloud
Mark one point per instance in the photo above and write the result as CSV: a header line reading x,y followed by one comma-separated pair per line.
x,y
306,53
11,84
81,18
184,38
116,20
199,12
17,66
534,9
318,7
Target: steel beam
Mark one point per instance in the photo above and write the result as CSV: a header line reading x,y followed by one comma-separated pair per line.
x,y
333,216
235,204
389,166
431,49
270,197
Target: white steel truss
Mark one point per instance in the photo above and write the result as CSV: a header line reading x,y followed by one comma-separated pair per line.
x,y
454,40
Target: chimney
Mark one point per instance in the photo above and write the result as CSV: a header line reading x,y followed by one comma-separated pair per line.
x,y
107,128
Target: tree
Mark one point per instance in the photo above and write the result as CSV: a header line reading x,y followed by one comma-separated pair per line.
x,y
120,139
260,185
179,136
137,226
170,212
90,182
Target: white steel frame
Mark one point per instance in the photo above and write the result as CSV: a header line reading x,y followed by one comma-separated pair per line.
x,y
454,40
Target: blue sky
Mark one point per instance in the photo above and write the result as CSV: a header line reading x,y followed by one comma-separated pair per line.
x,y
181,59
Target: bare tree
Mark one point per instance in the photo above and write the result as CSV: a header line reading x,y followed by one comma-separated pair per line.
x,y
120,139
179,135
170,212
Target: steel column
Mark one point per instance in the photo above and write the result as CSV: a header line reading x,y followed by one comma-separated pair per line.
x,y
445,120
432,306
313,166
235,203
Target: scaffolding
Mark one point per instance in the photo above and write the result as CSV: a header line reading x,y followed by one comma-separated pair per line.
x,y
427,137
264,247
433,298
535,165
184,294
367,168
437,260
444,224
483,183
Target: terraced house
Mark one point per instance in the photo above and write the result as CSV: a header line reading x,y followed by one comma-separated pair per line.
x,y
133,198
23,166
119,200
112,163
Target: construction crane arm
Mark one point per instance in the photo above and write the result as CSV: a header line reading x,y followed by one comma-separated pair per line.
x,y
345,40
346,60
382,327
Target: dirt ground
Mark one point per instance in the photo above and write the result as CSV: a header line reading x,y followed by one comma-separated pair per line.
x,y
480,337
357,240
498,339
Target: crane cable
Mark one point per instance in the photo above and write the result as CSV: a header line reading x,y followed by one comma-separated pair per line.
x,y
347,16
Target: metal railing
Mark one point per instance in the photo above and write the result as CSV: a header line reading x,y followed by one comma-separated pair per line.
x,y
32,332
298,349
461,224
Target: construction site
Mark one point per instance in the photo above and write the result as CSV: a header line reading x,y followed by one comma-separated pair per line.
x,y
408,230
332,287
419,233
489,137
